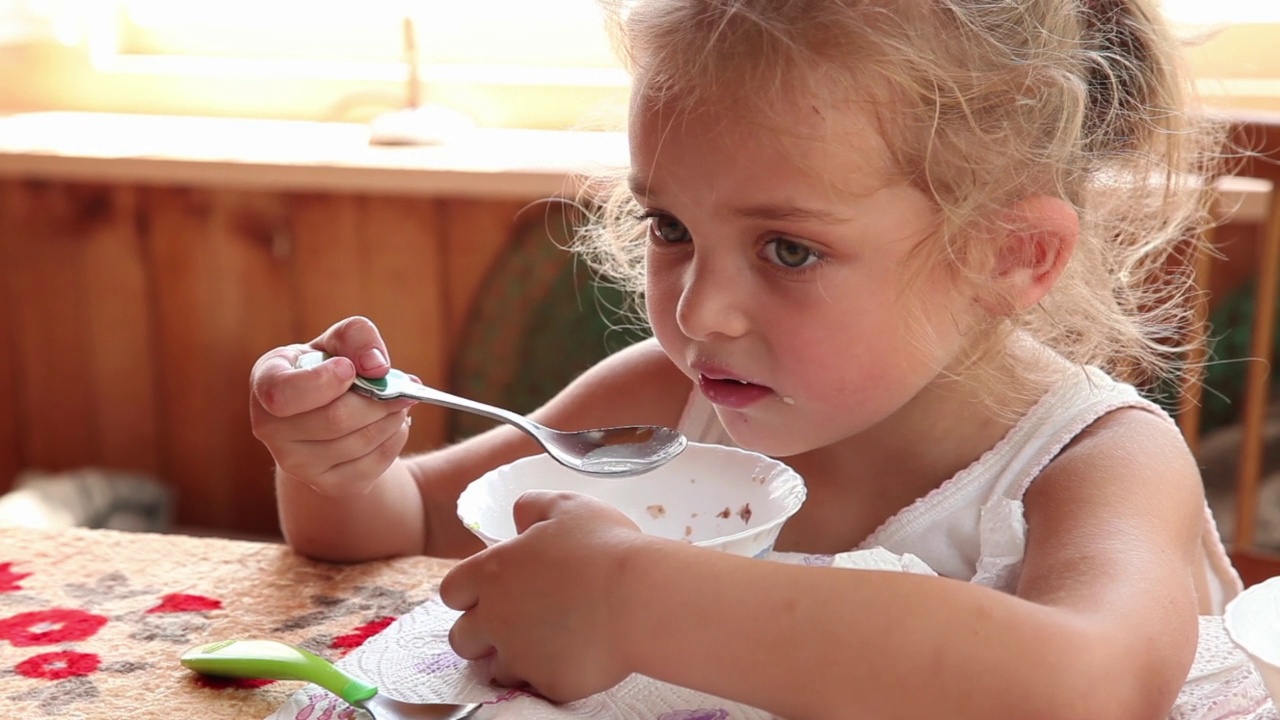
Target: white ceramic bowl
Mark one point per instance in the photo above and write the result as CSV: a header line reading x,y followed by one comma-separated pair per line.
x,y
1252,621
710,495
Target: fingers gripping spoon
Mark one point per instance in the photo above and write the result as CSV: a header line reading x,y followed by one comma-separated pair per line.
x,y
269,659
605,452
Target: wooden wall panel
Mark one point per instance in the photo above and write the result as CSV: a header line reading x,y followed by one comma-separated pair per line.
x,y
327,262
478,231
130,319
54,395
381,258
120,334
79,325
10,418
408,297
222,283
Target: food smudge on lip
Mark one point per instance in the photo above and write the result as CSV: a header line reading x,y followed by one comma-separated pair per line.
x,y
656,511
745,513
724,514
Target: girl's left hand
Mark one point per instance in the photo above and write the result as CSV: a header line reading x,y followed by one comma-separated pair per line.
x,y
544,606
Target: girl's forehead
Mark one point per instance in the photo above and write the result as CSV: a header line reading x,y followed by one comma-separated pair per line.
x,y
840,145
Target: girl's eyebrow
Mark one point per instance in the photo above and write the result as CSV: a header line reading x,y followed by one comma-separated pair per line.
x,y
777,212
792,213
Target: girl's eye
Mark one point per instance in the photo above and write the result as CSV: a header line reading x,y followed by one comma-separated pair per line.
x,y
789,253
666,228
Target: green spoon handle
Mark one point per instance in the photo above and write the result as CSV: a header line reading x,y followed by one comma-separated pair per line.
x,y
274,660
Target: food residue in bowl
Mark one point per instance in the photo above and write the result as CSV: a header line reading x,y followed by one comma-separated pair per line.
x,y
688,530
744,512
656,511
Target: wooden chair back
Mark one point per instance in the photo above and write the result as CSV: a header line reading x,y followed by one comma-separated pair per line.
x,y
1256,136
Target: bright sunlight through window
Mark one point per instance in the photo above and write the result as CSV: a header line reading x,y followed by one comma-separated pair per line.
x,y
550,33
532,63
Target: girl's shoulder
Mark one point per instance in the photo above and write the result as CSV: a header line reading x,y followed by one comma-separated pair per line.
x,y
1128,457
643,365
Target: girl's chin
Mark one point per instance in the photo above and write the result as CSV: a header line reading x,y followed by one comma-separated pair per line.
x,y
771,442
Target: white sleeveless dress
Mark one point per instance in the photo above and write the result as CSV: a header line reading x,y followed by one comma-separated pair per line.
x,y
972,528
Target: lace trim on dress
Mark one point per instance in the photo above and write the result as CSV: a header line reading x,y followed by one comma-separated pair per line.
x,y
954,488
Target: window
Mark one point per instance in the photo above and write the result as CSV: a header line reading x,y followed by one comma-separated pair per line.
x,y
559,33
1232,49
1220,12
504,62
540,64
21,22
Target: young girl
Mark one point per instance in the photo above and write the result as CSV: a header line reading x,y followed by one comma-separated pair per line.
x,y
905,245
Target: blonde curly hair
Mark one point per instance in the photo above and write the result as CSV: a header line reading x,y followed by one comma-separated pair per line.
x,y
987,101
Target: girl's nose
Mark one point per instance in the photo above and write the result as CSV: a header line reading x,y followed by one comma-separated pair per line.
x,y
713,301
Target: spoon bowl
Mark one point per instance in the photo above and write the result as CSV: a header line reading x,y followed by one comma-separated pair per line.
x,y
606,452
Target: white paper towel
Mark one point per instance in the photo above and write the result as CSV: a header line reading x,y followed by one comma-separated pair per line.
x,y
411,660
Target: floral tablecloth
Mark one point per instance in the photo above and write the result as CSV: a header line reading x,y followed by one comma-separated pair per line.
x,y
92,622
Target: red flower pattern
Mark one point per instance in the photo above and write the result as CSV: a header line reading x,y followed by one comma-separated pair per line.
x,y
9,579
179,602
58,665
356,638
69,625
49,627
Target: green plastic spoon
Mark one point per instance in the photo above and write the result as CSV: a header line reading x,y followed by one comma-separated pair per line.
x,y
269,659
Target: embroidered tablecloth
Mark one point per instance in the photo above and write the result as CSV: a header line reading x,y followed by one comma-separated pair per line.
x,y
92,622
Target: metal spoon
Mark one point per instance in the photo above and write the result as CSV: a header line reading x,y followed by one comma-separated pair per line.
x,y
608,452
274,660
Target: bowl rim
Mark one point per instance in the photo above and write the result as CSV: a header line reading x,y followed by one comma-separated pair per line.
x,y
795,493
1230,613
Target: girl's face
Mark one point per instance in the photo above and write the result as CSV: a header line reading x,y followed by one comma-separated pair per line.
x,y
776,274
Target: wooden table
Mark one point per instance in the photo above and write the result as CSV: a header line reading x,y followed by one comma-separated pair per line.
x,y
92,621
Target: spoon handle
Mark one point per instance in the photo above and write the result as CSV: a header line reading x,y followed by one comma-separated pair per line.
x,y
269,659
397,384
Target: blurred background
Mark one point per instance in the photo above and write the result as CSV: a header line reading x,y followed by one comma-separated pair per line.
x,y
501,62
184,185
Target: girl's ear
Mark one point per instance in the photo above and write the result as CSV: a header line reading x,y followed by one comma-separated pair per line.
x,y
1038,237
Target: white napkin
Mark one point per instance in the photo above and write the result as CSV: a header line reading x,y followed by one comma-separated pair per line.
x,y
412,659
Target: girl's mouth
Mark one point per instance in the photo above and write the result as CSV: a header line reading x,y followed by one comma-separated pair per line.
x,y
732,393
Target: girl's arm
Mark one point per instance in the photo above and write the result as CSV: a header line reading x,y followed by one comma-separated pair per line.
x,y
1103,626
412,508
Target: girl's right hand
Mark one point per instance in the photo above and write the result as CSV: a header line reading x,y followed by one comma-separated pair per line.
x,y
336,441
